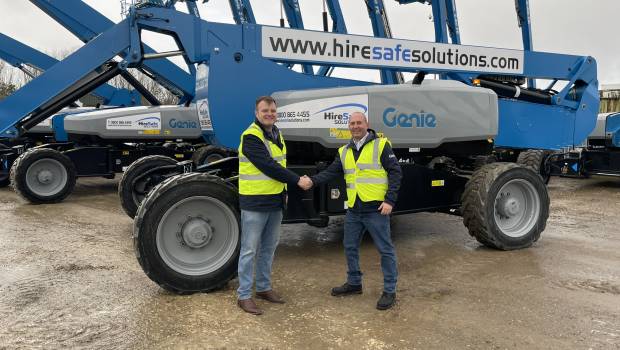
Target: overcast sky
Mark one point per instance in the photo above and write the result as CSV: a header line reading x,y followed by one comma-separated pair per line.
x,y
578,27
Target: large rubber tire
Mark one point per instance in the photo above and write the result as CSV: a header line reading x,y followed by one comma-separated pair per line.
x,y
43,175
505,206
184,211
208,154
535,159
480,161
130,195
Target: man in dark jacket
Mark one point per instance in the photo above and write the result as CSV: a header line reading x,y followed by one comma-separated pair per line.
x,y
262,196
373,177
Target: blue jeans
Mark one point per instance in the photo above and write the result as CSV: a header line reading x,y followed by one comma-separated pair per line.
x,y
378,226
260,232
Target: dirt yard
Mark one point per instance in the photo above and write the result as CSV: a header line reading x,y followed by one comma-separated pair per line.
x,y
69,279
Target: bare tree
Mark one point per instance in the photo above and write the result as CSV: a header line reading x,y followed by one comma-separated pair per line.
x,y
7,85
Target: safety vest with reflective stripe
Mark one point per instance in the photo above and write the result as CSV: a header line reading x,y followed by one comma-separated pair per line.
x,y
251,180
365,178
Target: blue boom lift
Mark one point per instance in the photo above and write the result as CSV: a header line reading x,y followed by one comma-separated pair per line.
x,y
187,230
86,23
96,157
600,155
31,62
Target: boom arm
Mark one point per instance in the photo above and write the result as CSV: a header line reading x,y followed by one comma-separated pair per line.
x,y
523,15
338,26
381,29
293,15
66,81
242,11
86,23
21,56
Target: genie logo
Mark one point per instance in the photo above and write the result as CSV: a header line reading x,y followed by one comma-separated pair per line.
x,y
183,124
331,113
392,118
149,122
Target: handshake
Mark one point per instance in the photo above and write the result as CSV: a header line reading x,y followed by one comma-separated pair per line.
x,y
305,183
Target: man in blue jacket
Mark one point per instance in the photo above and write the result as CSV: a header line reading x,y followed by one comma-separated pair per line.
x,y
372,175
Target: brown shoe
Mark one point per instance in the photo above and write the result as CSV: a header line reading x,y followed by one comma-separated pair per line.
x,y
270,296
249,306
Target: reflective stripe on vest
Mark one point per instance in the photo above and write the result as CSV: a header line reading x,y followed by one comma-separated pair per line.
x,y
251,180
365,178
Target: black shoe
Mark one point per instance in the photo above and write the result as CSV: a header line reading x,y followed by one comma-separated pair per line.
x,y
347,289
386,301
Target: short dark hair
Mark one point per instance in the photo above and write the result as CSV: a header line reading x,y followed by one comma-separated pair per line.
x,y
267,99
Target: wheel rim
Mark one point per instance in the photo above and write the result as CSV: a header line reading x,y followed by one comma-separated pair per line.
x,y
46,177
197,235
517,208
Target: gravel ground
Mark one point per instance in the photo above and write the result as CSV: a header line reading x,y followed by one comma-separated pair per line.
x,y
69,278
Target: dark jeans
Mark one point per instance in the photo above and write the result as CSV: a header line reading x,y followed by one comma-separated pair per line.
x,y
355,224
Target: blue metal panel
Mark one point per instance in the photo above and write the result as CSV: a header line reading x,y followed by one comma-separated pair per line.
x,y
86,23
588,103
612,126
18,54
529,125
58,125
57,79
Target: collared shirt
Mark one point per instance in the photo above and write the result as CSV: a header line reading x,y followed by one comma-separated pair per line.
x,y
389,162
360,143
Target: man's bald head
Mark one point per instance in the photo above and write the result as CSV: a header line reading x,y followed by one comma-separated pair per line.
x,y
359,115
358,125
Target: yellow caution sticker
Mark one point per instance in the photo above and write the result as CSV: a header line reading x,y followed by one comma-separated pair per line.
x,y
438,183
345,134
152,132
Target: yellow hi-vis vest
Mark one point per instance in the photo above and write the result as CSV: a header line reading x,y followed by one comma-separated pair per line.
x,y
251,180
365,178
